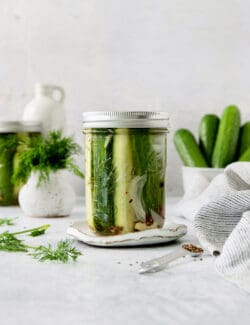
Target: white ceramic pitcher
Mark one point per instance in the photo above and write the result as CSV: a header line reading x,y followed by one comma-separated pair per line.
x,y
46,107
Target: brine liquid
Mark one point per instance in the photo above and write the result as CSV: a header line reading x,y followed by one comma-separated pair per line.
x,y
125,175
11,146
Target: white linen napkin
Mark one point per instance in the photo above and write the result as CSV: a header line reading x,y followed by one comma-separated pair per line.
x,y
221,214
234,261
199,193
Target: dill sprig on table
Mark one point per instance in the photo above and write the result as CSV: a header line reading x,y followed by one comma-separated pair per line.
x,y
33,231
63,252
7,221
46,155
37,232
9,243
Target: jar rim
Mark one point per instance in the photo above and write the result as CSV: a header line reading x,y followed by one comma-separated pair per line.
x,y
20,126
127,119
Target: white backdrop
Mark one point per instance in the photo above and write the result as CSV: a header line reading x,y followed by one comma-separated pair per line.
x,y
186,57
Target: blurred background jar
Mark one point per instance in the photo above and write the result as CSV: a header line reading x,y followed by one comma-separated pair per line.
x,y
14,136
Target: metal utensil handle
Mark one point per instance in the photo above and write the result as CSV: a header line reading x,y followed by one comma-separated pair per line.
x,y
159,263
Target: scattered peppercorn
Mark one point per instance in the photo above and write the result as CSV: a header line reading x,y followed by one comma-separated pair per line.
x,y
192,248
149,220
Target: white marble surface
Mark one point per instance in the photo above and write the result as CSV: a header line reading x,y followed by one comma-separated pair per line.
x,y
104,286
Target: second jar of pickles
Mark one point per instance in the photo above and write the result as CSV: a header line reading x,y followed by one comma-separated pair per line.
x,y
13,138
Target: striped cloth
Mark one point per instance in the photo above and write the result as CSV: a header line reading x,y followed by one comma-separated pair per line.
x,y
223,225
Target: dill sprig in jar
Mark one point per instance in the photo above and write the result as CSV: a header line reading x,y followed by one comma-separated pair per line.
x,y
125,170
13,136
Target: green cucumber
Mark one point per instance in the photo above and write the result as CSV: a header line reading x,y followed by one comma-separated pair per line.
x,y
124,175
227,138
8,143
123,165
146,165
88,180
102,181
244,140
24,139
207,135
188,149
245,156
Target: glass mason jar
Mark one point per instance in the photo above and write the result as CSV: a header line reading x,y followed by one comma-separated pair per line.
x,y
13,139
125,170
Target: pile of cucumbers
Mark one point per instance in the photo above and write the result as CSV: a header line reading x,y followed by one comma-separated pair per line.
x,y
221,141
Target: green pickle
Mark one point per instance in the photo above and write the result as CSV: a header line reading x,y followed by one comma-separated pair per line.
x,y
125,175
23,140
7,151
12,145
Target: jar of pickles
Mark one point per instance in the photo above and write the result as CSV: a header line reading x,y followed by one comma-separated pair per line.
x,y
125,170
13,138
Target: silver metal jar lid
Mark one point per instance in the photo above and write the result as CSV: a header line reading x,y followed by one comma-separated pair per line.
x,y
20,126
101,119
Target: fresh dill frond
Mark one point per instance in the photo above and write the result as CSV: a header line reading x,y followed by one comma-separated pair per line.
x,y
34,231
45,156
63,252
9,242
10,142
7,221
74,168
37,232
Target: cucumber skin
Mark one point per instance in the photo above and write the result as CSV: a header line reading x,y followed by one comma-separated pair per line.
x,y
188,149
24,138
207,135
7,196
110,168
244,139
123,165
88,180
227,138
145,163
6,187
245,156
102,182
